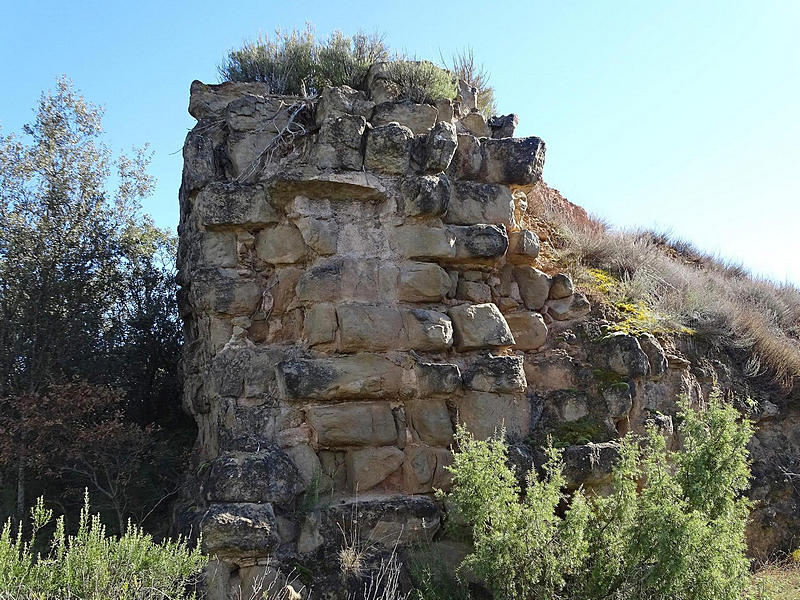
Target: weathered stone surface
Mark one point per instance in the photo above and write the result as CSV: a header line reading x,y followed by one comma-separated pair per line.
x,y
422,282
473,291
426,330
503,126
342,100
340,279
321,235
496,374
512,161
215,291
467,97
430,419
484,414
319,325
428,195
239,530
618,400
307,463
473,202
621,353
369,326
479,326
475,123
424,469
368,467
211,100
561,286
199,165
523,245
268,114
528,329
655,355
534,286
353,424
425,242
281,244
590,464
219,249
572,307
339,142
388,149
310,538
310,184
419,118
437,379
440,146
361,376
230,204
479,241
265,476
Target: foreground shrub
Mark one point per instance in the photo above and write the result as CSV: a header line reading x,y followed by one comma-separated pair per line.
x,y
296,63
91,565
672,527
421,81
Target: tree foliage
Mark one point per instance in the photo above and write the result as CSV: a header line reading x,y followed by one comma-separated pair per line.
x,y
672,527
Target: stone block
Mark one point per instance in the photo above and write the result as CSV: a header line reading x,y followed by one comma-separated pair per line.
x,y
572,307
655,355
211,100
479,242
419,118
307,463
619,400
341,279
422,282
430,419
473,291
561,286
435,379
368,467
342,100
479,326
215,291
369,326
496,374
534,286
231,204
281,244
340,377
321,235
475,123
388,149
510,161
503,126
424,242
352,424
424,469
473,202
219,249
523,246
264,476
339,142
466,163
239,530
199,166
440,146
621,353
428,195
485,414
427,330
528,329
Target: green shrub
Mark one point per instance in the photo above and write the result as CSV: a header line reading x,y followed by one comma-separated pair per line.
x,y
296,63
672,527
462,63
91,565
421,81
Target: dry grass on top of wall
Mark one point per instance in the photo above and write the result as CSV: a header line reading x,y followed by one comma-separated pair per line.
x,y
666,285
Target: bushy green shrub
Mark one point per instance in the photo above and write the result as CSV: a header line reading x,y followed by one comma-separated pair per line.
x,y
672,527
296,63
91,565
421,81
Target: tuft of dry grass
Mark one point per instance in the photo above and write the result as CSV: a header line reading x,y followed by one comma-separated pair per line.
x,y
777,581
653,282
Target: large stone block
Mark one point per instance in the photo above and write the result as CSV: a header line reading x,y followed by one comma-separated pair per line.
x,y
430,419
422,282
199,165
231,204
281,244
265,476
424,469
219,249
528,329
419,118
479,242
370,326
496,374
571,307
534,286
561,286
212,100
479,326
352,424
511,161
485,414
342,100
435,379
339,142
321,235
340,279
424,242
474,202
388,149
427,330
239,530
368,467
440,146
475,123
621,353
340,377
424,196
523,246
216,291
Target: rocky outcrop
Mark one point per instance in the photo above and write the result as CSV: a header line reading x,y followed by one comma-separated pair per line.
x,y
356,280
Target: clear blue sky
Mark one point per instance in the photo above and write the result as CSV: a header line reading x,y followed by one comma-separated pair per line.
x,y
681,115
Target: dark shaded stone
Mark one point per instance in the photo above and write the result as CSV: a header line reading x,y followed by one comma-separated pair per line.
x,y
435,379
428,195
503,126
239,530
479,241
496,374
621,353
264,476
